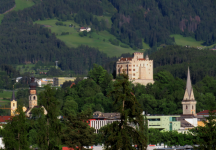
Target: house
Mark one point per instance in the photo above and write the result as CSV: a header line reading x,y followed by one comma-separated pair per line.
x,y
88,29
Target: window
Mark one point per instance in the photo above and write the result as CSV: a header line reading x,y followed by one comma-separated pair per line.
x,y
134,65
129,65
155,119
118,65
170,126
34,98
133,69
192,106
186,107
134,74
129,69
13,104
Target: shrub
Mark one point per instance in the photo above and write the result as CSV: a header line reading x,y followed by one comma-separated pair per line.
x,y
124,46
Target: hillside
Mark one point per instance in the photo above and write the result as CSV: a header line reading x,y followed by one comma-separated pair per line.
x,y
97,39
176,59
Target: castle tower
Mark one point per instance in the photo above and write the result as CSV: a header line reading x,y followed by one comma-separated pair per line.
x,y
32,92
13,104
189,102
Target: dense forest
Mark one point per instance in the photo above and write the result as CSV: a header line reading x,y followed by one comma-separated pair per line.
x,y
155,20
6,5
175,59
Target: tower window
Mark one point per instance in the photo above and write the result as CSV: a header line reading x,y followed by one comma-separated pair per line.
x,y
34,98
13,104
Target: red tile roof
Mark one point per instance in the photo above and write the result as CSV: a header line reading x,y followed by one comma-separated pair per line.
x,y
82,28
4,118
205,112
124,59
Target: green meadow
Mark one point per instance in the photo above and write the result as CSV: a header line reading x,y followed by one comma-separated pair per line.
x,y
5,94
21,4
99,40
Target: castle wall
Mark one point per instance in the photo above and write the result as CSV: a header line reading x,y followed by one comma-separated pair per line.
x,y
136,68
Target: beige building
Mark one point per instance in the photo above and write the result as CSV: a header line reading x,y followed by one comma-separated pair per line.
x,y
189,102
138,68
13,104
58,81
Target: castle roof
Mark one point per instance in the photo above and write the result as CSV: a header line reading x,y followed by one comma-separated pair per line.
x,y
125,59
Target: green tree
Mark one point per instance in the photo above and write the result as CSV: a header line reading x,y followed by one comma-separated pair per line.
x,y
122,134
77,132
205,136
15,132
49,126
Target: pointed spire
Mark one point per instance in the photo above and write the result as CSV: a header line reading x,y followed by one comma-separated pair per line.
x,y
147,58
13,95
188,85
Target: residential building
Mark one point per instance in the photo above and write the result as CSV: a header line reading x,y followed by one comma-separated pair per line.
x,y
138,68
58,81
88,29
163,122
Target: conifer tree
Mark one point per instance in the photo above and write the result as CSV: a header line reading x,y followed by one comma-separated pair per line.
x,y
49,126
129,130
77,132
15,132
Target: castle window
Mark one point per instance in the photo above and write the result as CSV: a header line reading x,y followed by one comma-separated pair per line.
x,y
34,98
133,69
186,107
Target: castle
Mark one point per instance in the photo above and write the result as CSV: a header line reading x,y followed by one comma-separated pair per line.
x,y
138,68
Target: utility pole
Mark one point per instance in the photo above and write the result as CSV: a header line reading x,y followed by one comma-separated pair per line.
x,y
56,64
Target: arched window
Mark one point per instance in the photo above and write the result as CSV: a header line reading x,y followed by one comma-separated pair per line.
x,y
186,107
34,98
13,104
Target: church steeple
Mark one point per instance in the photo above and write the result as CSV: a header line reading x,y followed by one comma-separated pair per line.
x,y
189,103
13,104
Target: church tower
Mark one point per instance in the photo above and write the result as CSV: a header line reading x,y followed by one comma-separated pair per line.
x,y
32,92
189,102
13,104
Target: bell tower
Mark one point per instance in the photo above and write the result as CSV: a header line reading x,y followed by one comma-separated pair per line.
x,y
189,102
32,92
13,104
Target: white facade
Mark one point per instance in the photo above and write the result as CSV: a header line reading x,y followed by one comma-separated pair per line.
x,y
85,29
97,124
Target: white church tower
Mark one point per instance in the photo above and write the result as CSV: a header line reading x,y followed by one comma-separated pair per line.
x,y
189,102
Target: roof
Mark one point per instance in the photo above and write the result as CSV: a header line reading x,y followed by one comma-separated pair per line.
x,y
184,123
4,118
141,59
99,114
205,112
13,96
125,59
188,85
82,28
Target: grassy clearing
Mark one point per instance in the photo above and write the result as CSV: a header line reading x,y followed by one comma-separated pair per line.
x,y
21,4
180,40
6,94
25,68
99,40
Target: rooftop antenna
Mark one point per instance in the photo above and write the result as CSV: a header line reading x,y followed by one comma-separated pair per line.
x,y
56,64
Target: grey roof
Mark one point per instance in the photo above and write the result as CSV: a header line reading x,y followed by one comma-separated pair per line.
x,y
13,96
188,85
